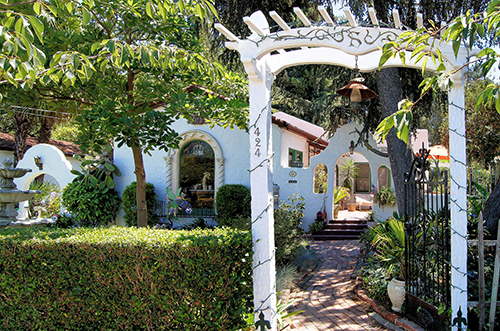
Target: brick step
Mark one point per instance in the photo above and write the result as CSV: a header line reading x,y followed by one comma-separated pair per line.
x,y
343,231
346,226
334,237
346,221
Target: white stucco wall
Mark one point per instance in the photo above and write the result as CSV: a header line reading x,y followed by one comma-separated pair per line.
x,y
338,145
234,150
294,141
234,146
55,165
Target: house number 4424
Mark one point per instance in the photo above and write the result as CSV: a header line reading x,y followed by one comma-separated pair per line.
x,y
257,142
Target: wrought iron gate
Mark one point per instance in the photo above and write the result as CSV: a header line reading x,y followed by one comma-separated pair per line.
x,y
427,234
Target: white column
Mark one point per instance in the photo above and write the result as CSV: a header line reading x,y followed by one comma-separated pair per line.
x,y
458,199
261,180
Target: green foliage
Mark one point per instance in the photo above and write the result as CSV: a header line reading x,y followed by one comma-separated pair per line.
x,y
130,206
89,205
375,280
98,170
465,31
316,226
47,203
90,197
348,171
320,178
199,223
387,240
385,197
124,279
401,120
339,193
287,230
64,131
238,222
232,201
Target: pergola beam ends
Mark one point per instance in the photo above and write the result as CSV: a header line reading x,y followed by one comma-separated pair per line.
x,y
277,18
325,15
373,16
251,24
397,20
350,17
228,34
302,17
420,20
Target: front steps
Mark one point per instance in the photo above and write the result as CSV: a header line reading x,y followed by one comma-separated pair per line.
x,y
342,230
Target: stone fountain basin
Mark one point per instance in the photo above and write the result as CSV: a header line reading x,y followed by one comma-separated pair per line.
x,y
13,172
14,196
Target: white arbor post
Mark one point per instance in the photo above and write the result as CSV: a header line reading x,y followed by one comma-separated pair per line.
x,y
261,180
458,200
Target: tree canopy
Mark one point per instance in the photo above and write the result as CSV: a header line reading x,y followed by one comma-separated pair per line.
x,y
125,66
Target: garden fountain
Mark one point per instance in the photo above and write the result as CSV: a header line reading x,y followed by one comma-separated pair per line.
x,y
9,194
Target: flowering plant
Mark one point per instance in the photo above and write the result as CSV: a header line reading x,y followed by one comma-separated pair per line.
x,y
175,202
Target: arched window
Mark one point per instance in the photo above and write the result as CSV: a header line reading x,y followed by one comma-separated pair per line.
x,y
197,175
362,182
320,178
384,177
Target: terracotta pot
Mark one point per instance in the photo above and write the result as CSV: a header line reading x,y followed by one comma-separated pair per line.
x,y
351,207
397,292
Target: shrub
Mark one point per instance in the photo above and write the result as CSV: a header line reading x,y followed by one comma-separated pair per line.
x,y
91,198
232,201
375,280
122,278
385,197
89,204
287,230
316,226
130,204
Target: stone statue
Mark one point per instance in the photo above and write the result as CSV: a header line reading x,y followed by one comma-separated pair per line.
x,y
206,175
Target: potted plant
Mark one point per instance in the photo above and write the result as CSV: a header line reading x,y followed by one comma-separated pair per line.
x,y
389,244
385,197
349,172
339,193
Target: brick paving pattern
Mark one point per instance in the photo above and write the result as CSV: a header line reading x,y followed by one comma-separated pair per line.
x,y
327,298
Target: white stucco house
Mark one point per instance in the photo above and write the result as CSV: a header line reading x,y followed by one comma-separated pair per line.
x,y
208,158
211,157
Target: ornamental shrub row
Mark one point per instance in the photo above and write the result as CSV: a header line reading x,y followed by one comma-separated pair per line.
x,y
122,278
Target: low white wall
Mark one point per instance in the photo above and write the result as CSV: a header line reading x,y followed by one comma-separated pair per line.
x,y
55,164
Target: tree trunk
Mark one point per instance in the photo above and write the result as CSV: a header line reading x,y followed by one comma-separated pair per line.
x,y
491,211
46,125
400,155
140,176
22,128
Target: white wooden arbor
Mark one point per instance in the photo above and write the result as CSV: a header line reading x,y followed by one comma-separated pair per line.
x,y
264,54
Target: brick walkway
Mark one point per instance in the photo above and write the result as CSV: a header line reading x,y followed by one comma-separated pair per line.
x,y
327,297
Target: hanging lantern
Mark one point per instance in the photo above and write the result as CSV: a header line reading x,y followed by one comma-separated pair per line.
x,y
357,92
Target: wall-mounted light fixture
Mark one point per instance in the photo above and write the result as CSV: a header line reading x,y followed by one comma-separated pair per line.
x,y
38,162
351,147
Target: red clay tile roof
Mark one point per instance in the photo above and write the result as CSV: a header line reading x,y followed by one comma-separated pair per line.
x,y
68,148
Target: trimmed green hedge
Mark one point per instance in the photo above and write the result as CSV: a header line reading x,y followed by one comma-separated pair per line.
x,y
232,201
124,279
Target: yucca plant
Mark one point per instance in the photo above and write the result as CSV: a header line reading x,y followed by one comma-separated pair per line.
x,y
339,193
